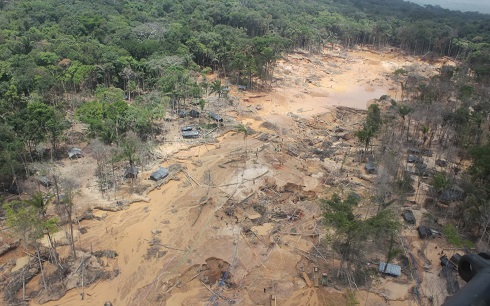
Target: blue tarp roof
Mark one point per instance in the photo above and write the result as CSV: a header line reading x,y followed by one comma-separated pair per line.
x,y
391,269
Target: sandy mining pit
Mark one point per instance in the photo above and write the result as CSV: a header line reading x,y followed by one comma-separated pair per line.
x,y
238,220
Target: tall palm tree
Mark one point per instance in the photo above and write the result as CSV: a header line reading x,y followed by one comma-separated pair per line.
x,y
425,130
241,128
404,111
40,202
216,87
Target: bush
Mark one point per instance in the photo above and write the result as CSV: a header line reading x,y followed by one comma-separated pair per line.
x,y
351,298
400,71
452,235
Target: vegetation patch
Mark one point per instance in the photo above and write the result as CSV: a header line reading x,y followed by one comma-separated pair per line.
x,y
453,237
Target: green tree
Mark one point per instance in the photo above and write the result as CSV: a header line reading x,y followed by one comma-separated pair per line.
x,y
130,146
36,123
40,202
353,233
480,167
393,251
371,126
403,112
440,182
65,205
12,159
27,219
216,87
55,126
24,217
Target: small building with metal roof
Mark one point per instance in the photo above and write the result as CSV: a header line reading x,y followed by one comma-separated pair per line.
x,y
190,134
159,174
215,117
391,269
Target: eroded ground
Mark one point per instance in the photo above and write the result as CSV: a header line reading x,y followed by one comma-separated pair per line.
x,y
238,218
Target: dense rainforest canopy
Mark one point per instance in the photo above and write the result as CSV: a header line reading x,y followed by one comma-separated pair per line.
x,y
53,52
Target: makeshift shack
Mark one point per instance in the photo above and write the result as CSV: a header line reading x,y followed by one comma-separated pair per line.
x,y
215,117
324,279
131,172
159,174
190,134
421,170
408,216
370,168
225,90
414,151
45,181
194,113
452,194
414,159
427,152
14,189
390,269
441,162
75,153
424,232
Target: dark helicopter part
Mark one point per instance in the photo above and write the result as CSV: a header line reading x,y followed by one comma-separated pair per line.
x,y
475,270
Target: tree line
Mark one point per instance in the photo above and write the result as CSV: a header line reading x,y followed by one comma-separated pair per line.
x,y
57,54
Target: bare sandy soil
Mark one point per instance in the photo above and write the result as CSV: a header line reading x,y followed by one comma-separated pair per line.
x,y
237,222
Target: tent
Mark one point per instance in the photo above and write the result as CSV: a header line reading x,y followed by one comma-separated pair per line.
x,y
190,134
131,172
370,168
408,216
414,159
452,194
394,270
159,174
45,181
182,113
414,151
424,232
75,152
441,162
215,117
194,113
